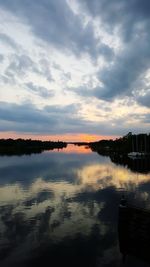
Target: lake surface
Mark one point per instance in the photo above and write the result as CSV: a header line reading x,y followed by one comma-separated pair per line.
x,y
60,208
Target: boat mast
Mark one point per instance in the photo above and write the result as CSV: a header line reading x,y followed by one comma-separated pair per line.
x,y
136,143
132,143
145,143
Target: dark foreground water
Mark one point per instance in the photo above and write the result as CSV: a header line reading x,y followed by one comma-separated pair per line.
x,y
60,208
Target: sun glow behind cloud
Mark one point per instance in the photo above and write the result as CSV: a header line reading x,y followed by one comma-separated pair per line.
x,y
66,137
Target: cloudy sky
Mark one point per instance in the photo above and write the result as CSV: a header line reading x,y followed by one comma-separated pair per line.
x,y
74,69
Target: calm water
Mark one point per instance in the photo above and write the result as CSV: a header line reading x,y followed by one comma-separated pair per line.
x,y
61,208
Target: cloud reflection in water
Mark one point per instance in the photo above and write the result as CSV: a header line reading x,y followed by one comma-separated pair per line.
x,y
52,211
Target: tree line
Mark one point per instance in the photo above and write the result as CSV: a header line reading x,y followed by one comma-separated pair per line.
x,y
126,144
27,146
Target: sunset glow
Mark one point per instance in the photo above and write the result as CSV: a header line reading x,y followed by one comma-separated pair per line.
x,y
65,137
75,149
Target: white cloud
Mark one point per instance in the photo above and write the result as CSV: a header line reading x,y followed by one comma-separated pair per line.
x,y
82,61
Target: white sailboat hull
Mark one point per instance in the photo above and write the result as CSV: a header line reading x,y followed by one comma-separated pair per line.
x,y
136,154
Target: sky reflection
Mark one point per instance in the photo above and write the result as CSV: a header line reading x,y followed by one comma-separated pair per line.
x,y
63,197
74,149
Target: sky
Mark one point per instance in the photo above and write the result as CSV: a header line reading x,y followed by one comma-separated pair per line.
x,y
74,70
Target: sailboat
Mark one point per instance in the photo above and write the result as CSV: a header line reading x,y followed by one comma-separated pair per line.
x,y
136,153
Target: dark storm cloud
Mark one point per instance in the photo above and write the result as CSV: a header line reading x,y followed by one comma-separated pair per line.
x,y
132,20
28,118
25,113
58,120
39,90
106,51
121,78
144,99
124,14
55,22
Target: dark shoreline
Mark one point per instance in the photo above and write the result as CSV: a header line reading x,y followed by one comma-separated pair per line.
x,y
118,151
10,147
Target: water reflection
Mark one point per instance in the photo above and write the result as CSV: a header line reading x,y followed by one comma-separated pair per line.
x,y
141,165
63,204
134,232
75,149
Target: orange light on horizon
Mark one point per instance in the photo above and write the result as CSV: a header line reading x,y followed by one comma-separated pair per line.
x,y
79,137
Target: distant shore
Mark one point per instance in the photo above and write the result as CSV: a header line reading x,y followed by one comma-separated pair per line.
x,y
27,146
123,145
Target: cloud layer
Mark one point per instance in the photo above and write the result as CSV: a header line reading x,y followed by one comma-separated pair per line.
x,y
75,67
